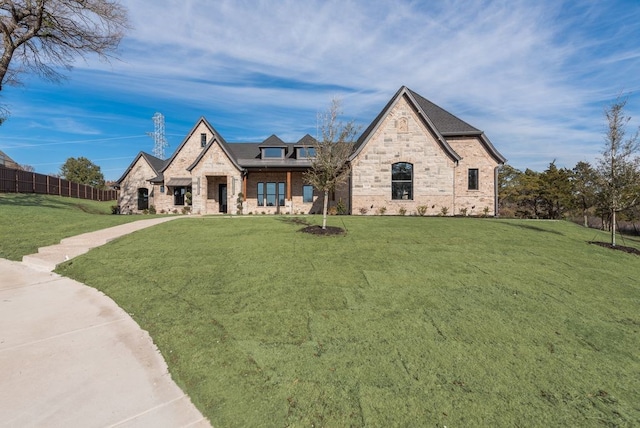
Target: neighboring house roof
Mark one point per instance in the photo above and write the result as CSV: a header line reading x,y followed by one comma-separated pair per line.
x,y
155,163
438,120
7,162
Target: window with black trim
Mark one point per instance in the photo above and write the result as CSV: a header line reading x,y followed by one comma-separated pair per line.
x,y
272,152
271,193
473,179
203,140
402,181
307,193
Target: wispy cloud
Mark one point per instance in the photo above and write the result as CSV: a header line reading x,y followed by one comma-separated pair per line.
x,y
535,76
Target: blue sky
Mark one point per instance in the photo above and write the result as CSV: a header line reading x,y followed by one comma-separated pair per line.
x,y
534,75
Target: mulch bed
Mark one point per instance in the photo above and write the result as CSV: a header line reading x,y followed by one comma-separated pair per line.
x,y
629,250
318,230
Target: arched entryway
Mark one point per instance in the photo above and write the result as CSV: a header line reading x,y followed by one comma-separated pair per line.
x,y
143,199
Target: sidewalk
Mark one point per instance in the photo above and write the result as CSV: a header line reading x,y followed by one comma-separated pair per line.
x,y
70,357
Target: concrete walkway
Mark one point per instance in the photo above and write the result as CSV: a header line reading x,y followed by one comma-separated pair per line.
x,y
71,357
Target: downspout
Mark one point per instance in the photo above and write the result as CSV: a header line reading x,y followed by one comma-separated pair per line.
x,y
455,169
495,192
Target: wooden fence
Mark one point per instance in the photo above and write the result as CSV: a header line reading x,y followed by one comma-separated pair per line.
x,y
18,181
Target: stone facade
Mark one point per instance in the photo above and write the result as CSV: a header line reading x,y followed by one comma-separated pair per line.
x,y
452,170
136,179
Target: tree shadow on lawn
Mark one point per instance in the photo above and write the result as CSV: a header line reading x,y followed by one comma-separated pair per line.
x,y
534,228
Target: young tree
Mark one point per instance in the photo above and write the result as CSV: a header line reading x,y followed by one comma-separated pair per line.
x,y
83,171
330,167
619,166
42,35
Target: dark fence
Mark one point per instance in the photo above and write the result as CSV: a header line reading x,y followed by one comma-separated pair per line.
x,y
18,181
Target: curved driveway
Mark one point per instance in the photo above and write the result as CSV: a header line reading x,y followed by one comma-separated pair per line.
x,y
71,357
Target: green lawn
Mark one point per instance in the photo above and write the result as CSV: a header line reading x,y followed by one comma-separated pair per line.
x,y
404,321
29,221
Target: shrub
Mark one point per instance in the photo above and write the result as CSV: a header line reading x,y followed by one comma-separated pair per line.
x,y
381,210
332,211
175,211
145,211
341,208
402,211
485,211
422,210
115,209
364,210
162,211
463,211
444,211
186,210
239,202
187,198
152,209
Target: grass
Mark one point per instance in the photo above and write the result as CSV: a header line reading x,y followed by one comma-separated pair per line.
x,y
30,221
404,321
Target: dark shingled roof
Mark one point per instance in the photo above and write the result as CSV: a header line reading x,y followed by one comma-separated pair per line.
x,y
306,141
445,122
155,163
273,141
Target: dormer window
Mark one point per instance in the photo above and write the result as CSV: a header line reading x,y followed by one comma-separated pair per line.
x,y
306,152
203,140
272,153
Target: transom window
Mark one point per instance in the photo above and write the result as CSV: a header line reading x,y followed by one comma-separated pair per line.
x,y
402,180
473,179
272,152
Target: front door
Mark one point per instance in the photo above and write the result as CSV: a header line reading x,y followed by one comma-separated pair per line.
x,y
143,199
222,197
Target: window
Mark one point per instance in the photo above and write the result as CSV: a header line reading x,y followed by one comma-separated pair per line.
x,y
203,140
306,152
281,194
307,193
260,194
402,180
161,188
178,195
272,152
473,179
270,193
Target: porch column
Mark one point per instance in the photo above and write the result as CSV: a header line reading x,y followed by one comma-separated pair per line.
x,y
289,185
244,188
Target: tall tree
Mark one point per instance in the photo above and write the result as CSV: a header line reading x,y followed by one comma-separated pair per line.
x,y
329,167
43,35
584,187
82,170
555,191
619,165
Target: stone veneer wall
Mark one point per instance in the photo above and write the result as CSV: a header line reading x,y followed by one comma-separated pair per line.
x,y
474,155
136,179
401,137
213,169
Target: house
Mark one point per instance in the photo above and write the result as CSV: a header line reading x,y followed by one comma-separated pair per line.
x,y
7,162
413,157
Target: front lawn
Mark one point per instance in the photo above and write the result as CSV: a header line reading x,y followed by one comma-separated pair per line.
x,y
30,221
403,321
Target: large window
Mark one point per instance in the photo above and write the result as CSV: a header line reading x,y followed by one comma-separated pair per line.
x,y
307,193
402,180
473,179
270,193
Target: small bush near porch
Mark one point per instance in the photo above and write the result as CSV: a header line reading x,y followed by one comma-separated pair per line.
x,y
403,321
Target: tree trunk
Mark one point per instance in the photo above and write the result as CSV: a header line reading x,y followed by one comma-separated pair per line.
x,y
585,218
324,209
613,227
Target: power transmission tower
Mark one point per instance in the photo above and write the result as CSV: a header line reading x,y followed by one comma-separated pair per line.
x,y
160,142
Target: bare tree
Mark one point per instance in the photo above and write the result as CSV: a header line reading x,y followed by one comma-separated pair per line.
x,y
43,35
330,167
619,166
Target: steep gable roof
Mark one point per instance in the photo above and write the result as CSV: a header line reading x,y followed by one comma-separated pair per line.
x,y
155,163
438,120
273,141
306,141
184,141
